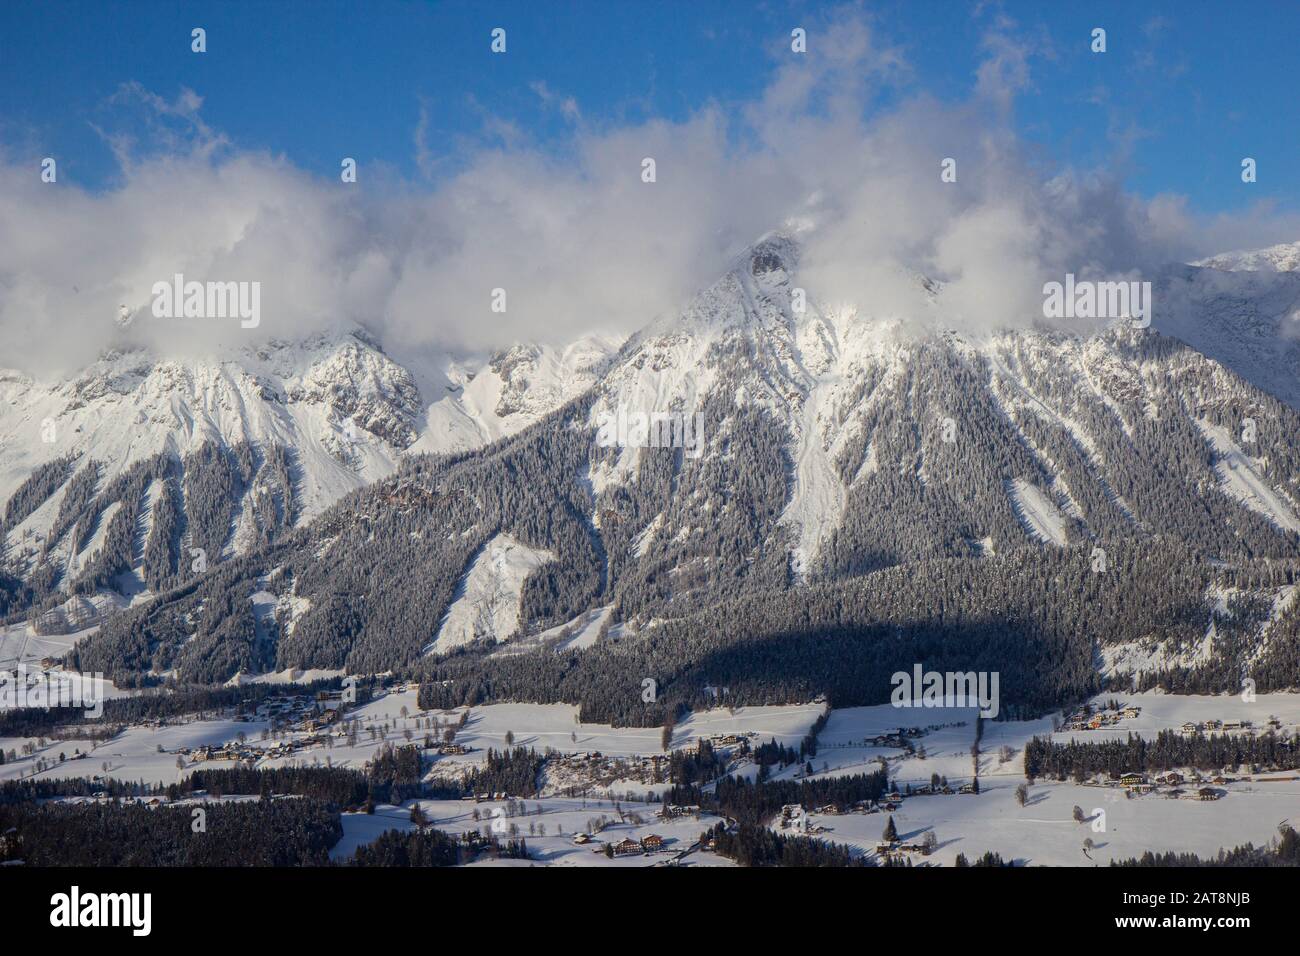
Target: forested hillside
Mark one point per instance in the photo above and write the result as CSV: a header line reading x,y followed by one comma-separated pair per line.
x,y
1066,510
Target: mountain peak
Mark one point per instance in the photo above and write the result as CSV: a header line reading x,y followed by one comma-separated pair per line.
x,y
1284,257
774,252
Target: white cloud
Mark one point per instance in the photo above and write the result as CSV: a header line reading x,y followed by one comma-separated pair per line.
x,y
575,237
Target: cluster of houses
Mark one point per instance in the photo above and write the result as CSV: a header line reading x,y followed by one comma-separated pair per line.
x,y
927,789
300,710
318,721
887,848
794,817
648,844
888,803
1245,727
674,810
228,752
576,770
1173,780
252,753
653,843
1088,719
900,739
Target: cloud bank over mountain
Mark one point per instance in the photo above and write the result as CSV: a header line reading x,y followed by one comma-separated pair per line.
x,y
841,147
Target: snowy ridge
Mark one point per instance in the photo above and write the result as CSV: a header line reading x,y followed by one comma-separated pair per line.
x,y
1284,257
346,412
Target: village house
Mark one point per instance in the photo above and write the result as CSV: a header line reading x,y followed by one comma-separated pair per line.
x,y
793,815
652,843
627,847
1131,779
728,740
1207,793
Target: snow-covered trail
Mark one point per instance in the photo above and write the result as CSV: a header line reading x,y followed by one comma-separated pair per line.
x,y
818,498
1239,479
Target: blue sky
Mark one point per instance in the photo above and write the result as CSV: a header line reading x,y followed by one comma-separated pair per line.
x,y
1184,91
523,171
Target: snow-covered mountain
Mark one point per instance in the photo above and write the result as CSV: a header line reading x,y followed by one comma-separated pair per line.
x,y
341,411
841,449
835,379
512,389
1243,311
1284,257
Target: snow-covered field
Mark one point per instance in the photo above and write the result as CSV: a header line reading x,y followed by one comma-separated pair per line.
x,y
134,755
1041,832
549,826
844,748
20,644
1044,833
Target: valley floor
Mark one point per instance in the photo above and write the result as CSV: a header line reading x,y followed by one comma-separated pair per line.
x,y
596,765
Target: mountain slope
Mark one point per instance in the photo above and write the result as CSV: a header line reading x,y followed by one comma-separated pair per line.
x,y
223,455
882,494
